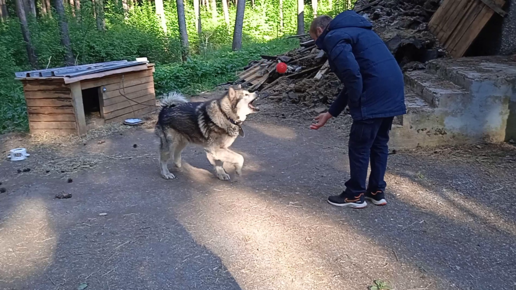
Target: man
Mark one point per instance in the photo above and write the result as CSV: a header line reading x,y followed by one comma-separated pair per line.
x,y
373,91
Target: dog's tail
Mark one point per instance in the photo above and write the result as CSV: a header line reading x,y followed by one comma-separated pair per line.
x,y
173,99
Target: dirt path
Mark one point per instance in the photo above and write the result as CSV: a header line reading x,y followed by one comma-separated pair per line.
x,y
450,223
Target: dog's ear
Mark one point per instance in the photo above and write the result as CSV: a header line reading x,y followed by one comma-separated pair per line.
x,y
232,93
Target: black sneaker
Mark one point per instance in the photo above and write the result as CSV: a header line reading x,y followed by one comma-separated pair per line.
x,y
341,200
377,197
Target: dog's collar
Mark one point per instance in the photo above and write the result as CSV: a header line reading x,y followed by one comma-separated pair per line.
x,y
239,123
233,122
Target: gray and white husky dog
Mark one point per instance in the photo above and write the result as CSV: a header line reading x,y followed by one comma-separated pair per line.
x,y
214,125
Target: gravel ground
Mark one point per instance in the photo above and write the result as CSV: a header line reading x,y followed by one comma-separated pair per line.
x,y
450,221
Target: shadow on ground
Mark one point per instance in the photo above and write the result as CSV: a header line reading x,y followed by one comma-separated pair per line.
x,y
270,229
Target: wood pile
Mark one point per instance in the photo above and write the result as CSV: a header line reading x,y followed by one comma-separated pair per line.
x,y
301,62
308,79
403,25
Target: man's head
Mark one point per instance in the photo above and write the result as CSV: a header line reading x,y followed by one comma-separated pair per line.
x,y
319,25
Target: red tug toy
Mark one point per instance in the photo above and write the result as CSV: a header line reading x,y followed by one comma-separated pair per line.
x,y
281,67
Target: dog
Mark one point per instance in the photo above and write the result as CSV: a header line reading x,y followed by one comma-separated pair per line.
x,y
214,125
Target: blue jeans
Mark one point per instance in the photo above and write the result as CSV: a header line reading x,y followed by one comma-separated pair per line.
x,y
368,143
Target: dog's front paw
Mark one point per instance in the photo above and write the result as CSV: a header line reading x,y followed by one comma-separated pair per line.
x,y
223,176
167,175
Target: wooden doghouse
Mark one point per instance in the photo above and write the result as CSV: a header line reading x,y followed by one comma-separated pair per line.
x,y
73,99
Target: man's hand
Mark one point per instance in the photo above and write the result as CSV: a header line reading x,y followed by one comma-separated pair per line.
x,y
321,120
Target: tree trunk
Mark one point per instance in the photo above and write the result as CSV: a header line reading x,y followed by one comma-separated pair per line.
x,y
3,10
31,52
239,24
214,10
160,12
350,5
32,7
182,28
65,35
330,2
314,7
101,21
93,5
43,7
125,6
78,9
281,15
252,4
49,7
226,11
72,6
198,22
300,17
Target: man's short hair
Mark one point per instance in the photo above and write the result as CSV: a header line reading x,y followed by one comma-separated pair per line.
x,y
320,21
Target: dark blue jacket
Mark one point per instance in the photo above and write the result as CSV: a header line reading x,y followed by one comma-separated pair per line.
x,y
373,81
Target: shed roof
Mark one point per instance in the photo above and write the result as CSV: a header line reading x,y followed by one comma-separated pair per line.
x,y
70,72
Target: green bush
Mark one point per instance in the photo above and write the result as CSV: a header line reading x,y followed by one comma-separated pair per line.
x,y
203,73
13,115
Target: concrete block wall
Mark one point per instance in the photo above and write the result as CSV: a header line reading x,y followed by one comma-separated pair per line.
x,y
463,101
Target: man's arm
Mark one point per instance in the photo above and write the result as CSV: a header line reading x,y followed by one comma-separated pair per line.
x,y
339,104
348,71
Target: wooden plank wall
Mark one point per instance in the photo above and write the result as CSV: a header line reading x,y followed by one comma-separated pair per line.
x,y
137,86
457,23
49,106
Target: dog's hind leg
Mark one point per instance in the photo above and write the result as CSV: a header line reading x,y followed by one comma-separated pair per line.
x,y
164,156
178,145
217,165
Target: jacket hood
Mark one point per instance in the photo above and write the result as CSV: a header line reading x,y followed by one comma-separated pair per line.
x,y
349,19
345,19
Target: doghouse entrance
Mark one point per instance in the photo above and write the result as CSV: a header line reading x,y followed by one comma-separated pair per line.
x,y
92,102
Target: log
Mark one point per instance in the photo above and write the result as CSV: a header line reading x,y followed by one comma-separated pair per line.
x,y
307,43
322,71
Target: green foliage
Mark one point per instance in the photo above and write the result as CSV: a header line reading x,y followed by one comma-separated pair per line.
x,y
379,285
203,73
13,113
138,33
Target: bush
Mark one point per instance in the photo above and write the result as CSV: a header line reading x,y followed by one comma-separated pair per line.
x,y
203,73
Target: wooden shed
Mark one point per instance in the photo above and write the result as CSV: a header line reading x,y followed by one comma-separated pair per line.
x,y
72,100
